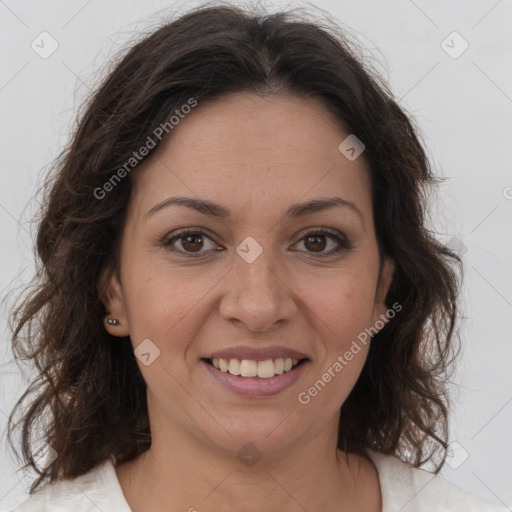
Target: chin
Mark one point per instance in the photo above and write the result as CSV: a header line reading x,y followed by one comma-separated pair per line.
x,y
261,432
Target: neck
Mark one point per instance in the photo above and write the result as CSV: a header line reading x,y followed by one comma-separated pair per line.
x,y
181,472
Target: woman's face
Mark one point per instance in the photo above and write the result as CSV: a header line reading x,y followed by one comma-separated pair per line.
x,y
257,280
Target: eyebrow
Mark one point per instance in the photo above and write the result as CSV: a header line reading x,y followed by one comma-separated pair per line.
x,y
217,211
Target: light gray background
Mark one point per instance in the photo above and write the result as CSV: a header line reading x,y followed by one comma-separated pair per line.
x,y
463,106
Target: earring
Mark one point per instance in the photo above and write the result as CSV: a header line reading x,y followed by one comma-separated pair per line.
x,y
112,321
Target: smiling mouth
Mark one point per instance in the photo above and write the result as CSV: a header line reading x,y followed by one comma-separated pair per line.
x,y
247,368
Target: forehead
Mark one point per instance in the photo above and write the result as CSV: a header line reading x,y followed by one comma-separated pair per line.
x,y
249,151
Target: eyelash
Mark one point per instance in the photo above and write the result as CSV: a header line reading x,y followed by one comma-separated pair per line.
x,y
344,244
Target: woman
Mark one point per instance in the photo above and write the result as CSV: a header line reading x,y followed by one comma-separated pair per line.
x,y
239,306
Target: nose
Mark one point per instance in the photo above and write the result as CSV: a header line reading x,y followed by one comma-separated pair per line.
x,y
259,294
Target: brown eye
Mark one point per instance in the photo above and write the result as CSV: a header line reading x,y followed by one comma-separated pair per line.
x,y
315,242
192,242
188,242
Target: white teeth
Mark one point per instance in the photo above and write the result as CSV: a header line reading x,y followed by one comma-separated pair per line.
x,y
279,366
234,367
266,369
250,368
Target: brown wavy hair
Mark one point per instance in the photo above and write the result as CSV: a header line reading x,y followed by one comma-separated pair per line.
x,y
90,395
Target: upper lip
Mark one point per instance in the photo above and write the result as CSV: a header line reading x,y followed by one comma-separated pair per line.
x,y
256,353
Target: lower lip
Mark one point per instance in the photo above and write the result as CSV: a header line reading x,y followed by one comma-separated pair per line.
x,y
254,386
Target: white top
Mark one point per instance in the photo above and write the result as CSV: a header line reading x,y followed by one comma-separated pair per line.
x,y
403,489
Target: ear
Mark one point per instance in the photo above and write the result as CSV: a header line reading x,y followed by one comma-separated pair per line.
x,y
385,279
110,292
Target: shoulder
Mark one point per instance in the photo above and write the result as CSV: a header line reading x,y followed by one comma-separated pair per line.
x,y
96,490
409,489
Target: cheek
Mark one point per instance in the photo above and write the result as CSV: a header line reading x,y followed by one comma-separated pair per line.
x,y
341,313
164,304
342,309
